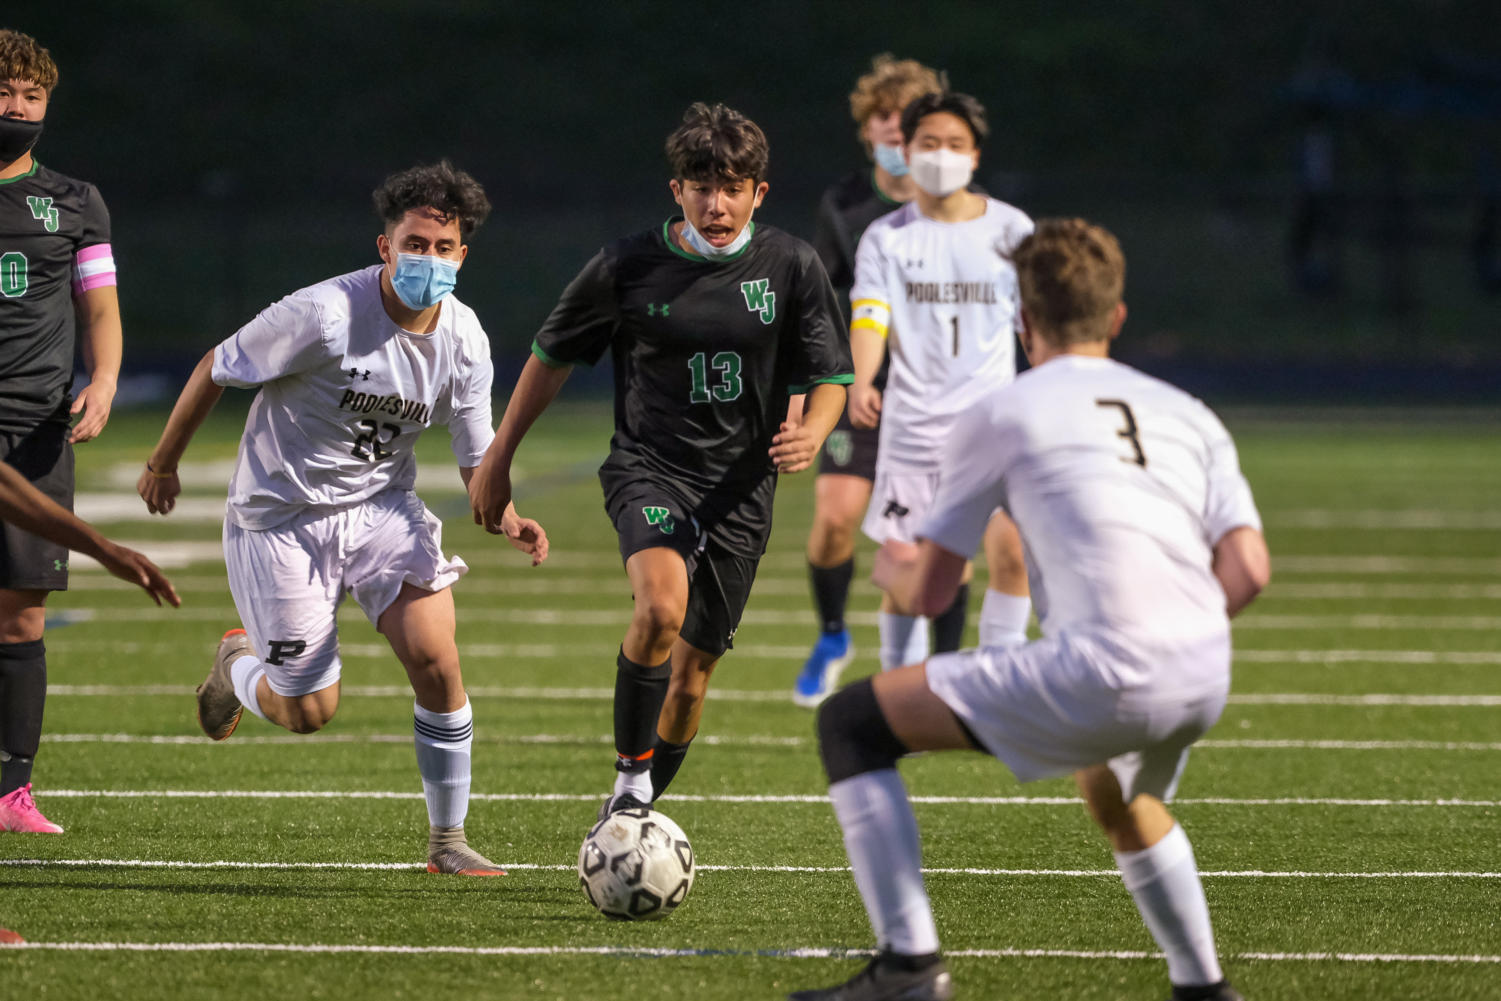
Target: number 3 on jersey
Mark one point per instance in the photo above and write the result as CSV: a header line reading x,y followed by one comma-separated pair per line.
x,y
1128,432
726,365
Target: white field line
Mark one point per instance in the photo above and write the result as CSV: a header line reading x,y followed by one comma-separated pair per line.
x,y
709,740
1335,590
750,798
570,867
743,695
1399,520
667,953
1388,565
621,617
63,642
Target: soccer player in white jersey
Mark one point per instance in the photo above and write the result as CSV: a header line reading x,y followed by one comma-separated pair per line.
x,y
1142,541
934,279
350,371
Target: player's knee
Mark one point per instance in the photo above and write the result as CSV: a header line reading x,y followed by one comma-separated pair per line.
x,y
853,735
659,617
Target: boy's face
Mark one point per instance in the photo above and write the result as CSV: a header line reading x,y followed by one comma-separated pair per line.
x,y
423,231
717,208
22,99
942,130
883,128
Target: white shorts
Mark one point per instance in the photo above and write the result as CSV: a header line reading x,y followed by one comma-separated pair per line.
x,y
899,503
1057,705
288,581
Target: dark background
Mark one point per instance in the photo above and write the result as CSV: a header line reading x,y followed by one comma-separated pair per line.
x,y
236,145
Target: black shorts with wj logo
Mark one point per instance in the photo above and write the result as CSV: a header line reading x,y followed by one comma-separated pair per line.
x,y
44,456
850,451
650,512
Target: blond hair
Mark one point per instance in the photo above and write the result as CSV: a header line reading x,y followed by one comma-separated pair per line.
x,y
890,85
1072,275
21,58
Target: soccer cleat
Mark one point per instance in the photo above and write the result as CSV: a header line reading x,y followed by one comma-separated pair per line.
x,y
614,804
1221,991
18,813
218,708
884,980
461,860
8,937
820,673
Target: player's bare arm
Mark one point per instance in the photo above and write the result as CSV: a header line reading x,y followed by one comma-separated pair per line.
x,y
159,485
796,445
100,337
490,487
867,347
24,505
919,580
1243,567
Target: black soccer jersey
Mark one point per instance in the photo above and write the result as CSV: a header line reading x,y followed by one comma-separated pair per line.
x,y
705,352
850,205
46,220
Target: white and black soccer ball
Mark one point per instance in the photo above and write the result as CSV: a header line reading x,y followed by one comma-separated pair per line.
x,y
636,865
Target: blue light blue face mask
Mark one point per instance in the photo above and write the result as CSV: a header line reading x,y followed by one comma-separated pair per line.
x,y
422,281
890,159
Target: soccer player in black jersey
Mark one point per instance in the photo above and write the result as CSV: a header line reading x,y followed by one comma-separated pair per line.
x,y
57,276
847,465
712,323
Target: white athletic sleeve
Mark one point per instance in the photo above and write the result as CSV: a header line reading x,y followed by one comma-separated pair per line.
x,y
870,296
971,484
470,427
1228,504
285,338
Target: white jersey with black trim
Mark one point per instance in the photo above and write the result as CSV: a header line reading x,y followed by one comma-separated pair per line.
x,y
945,294
1121,485
344,393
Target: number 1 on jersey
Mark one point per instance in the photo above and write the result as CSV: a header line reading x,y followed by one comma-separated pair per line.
x,y
1129,432
954,321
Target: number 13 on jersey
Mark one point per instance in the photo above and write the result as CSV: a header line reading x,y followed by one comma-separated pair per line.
x,y
727,387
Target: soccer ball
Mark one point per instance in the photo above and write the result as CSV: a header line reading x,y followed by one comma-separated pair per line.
x,y
636,865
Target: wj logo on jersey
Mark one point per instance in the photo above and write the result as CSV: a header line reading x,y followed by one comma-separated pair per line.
x,y
41,208
657,308
660,517
840,446
759,300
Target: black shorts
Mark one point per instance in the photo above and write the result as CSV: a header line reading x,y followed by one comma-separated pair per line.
x,y
649,513
44,456
850,451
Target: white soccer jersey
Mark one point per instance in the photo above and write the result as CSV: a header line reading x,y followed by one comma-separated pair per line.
x,y
946,295
344,393
1120,484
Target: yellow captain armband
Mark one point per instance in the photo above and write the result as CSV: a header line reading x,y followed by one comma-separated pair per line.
x,y
870,314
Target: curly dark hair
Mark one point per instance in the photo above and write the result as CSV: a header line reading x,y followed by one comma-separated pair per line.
x,y
21,58
441,186
968,110
717,143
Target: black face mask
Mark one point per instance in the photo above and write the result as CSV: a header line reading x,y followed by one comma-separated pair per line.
x,y
17,136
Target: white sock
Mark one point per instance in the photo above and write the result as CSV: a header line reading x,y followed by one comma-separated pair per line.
x,y
1003,618
880,835
904,639
246,674
1164,881
638,784
443,756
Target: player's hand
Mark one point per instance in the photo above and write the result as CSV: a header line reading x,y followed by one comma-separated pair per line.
x,y
159,491
793,448
525,534
93,402
864,406
129,565
490,495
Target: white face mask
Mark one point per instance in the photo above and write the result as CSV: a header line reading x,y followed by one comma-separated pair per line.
x,y
941,172
702,246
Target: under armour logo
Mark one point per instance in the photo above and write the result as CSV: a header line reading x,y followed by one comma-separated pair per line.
x,y
657,308
59,564
913,264
894,510
355,373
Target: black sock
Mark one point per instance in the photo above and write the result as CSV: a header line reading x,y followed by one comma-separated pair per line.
x,y
948,628
831,593
639,693
908,964
23,694
1204,992
666,759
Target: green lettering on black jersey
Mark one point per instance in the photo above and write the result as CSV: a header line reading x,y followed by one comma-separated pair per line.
x,y
759,300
